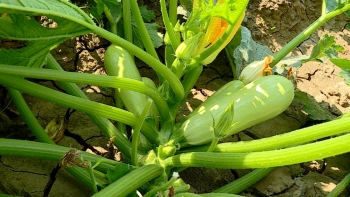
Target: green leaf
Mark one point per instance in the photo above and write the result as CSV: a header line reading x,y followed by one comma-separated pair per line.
x,y
325,43
33,54
341,63
100,6
312,108
346,75
47,7
248,51
21,27
331,5
115,8
146,14
119,171
152,29
21,24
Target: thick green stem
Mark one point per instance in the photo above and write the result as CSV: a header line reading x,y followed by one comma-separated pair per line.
x,y
244,182
106,127
100,80
278,56
265,159
131,181
38,150
173,12
127,21
146,40
289,139
77,103
169,27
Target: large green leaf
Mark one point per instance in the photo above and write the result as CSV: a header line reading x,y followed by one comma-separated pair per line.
x,y
152,29
147,15
33,54
47,7
19,21
22,27
331,5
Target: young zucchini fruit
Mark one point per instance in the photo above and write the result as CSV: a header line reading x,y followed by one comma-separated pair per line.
x,y
118,62
256,102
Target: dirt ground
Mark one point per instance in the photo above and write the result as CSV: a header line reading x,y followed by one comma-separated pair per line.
x,y
273,23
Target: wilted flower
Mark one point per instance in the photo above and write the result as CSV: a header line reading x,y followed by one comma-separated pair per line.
x,y
256,70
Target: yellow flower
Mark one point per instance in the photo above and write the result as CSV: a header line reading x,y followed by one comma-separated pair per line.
x,y
216,28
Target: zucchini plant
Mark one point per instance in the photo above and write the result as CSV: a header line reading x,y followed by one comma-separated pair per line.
x,y
159,145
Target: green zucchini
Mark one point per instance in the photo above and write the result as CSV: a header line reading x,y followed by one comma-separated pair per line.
x,y
256,102
118,62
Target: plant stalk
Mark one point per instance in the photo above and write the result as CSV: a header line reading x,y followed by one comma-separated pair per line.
x,y
131,181
289,139
127,21
84,78
146,40
265,159
53,152
80,104
279,55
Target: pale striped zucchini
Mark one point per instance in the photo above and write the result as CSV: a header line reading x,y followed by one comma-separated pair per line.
x,y
256,102
118,62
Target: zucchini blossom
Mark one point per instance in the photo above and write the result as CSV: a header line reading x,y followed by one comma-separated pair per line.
x,y
211,27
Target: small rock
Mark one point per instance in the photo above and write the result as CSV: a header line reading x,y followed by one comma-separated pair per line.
x,y
275,182
313,166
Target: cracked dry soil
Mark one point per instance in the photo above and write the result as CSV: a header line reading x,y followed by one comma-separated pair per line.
x,y
273,23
